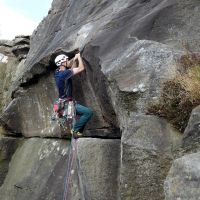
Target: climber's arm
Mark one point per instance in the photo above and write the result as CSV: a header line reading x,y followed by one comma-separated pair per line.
x,y
80,67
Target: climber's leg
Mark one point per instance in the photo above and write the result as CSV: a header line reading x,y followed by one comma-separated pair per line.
x,y
85,115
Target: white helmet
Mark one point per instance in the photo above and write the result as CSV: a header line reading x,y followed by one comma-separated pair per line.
x,y
60,59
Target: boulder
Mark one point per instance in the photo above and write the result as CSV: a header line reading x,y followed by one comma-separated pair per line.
x,y
99,163
8,73
148,144
20,51
133,76
11,69
21,40
21,46
7,51
32,115
183,180
18,47
6,43
191,137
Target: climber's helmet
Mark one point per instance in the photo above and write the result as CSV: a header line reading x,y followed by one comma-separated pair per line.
x,y
61,59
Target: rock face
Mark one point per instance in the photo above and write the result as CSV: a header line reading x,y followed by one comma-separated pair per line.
x,y
11,67
18,47
38,170
21,46
130,49
191,140
5,47
99,162
183,179
147,151
44,164
111,50
34,98
7,149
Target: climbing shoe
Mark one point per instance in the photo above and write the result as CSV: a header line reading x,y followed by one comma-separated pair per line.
x,y
76,134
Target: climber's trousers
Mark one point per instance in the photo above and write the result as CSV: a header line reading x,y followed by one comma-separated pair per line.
x,y
84,114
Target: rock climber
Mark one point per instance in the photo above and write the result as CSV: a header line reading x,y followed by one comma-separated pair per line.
x,y
67,68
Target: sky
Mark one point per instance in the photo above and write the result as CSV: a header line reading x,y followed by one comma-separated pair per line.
x,y
21,17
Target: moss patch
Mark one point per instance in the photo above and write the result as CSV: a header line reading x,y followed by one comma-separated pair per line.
x,y
180,95
2,131
128,100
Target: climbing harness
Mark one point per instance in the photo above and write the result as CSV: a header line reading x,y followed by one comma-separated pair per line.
x,y
64,113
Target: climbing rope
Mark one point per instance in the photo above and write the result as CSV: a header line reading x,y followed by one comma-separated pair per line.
x,y
72,158
72,155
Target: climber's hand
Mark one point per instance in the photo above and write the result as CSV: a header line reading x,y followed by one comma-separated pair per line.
x,y
77,56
